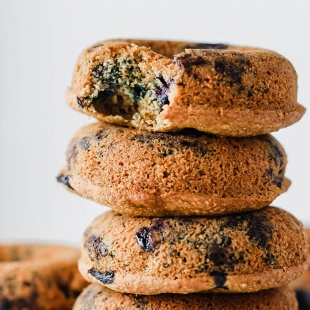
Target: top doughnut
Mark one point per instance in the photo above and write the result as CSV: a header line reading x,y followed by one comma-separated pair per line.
x,y
168,85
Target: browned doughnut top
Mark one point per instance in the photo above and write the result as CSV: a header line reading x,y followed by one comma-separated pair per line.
x,y
159,174
246,252
96,297
39,277
167,86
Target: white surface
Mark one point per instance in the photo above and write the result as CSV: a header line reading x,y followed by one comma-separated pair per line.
x,y
40,42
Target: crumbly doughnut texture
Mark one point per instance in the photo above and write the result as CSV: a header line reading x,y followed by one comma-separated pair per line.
x,y
96,297
166,86
158,174
39,277
245,252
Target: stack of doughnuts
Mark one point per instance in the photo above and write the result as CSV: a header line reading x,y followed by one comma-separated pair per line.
x,y
183,155
37,276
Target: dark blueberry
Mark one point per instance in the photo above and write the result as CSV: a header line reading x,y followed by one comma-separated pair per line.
x,y
277,155
164,101
270,259
195,146
104,277
144,240
277,181
173,142
186,144
101,134
64,179
222,255
84,143
269,173
158,226
19,303
188,61
163,82
149,238
72,152
303,299
138,92
140,301
259,230
255,224
80,103
250,93
161,92
142,138
164,152
219,279
241,88
216,46
218,253
232,69
97,249
198,61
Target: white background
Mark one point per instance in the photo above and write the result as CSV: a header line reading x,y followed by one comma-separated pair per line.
x,y
40,41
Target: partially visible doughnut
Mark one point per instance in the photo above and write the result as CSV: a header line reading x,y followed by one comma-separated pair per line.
x,y
39,277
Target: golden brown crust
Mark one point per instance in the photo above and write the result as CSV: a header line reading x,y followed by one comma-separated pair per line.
x,y
96,297
155,174
233,90
236,253
238,119
39,277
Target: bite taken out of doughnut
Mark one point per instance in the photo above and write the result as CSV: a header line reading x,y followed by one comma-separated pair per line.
x,y
167,86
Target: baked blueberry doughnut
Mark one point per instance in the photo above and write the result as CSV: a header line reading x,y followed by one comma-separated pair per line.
x,y
158,174
96,297
166,86
245,252
39,277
